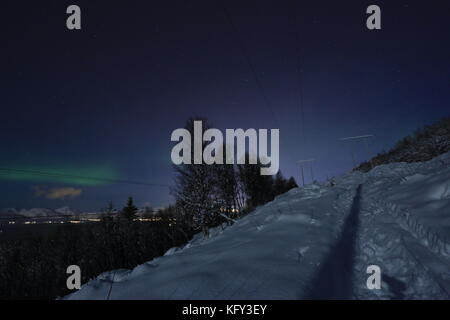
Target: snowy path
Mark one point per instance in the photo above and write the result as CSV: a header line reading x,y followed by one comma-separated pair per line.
x,y
313,242
335,277
270,254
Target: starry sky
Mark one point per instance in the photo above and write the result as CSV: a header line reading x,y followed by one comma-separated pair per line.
x,y
102,102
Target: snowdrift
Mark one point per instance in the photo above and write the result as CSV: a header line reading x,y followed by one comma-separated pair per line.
x,y
313,242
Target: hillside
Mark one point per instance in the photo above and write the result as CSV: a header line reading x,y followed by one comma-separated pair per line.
x,y
313,242
423,145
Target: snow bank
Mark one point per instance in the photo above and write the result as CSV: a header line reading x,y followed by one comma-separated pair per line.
x,y
278,251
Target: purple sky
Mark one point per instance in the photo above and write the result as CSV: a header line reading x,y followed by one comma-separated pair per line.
x,y
104,100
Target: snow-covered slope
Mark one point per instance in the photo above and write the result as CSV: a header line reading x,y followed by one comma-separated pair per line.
x,y
313,242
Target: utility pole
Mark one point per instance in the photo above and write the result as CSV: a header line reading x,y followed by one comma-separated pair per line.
x,y
363,137
303,176
301,162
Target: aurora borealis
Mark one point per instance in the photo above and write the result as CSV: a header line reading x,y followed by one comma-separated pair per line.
x,y
87,176
94,109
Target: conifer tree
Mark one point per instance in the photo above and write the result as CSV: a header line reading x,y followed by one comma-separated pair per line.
x,y
129,211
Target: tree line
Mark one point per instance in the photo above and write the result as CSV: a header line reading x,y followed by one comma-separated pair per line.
x,y
422,145
206,196
210,195
35,267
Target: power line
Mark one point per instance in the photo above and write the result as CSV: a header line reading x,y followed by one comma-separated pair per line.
x,y
353,138
300,104
301,162
249,62
62,175
251,66
357,137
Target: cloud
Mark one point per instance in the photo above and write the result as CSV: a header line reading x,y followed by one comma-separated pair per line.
x,y
61,193
57,193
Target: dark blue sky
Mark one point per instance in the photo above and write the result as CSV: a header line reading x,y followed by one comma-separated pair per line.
x,y
104,100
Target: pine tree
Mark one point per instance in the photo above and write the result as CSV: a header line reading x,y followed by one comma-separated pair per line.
x,y
279,184
107,213
129,211
291,184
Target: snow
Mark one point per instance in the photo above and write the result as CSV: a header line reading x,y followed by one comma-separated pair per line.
x,y
313,242
37,212
66,211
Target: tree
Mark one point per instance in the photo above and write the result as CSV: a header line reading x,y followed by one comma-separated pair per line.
x,y
129,211
227,192
291,184
196,189
279,184
148,212
107,212
257,187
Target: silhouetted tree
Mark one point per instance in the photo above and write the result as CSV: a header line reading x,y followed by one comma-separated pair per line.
x,y
257,187
129,211
107,213
196,188
148,212
281,185
291,184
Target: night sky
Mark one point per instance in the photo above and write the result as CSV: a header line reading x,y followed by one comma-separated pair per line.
x,y
102,101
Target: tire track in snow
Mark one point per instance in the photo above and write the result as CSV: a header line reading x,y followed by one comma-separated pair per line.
x,y
334,280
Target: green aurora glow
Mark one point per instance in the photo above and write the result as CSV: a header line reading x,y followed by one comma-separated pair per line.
x,y
86,176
